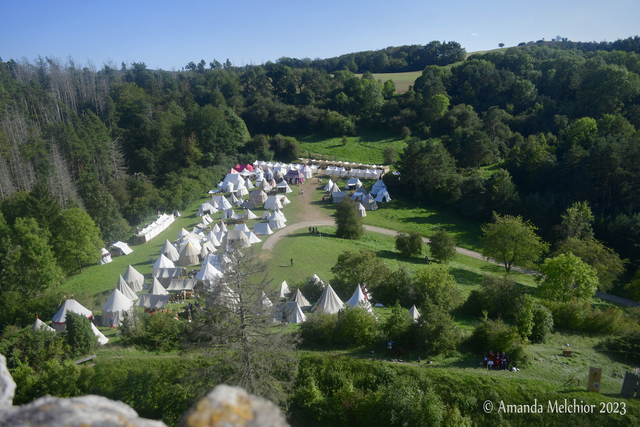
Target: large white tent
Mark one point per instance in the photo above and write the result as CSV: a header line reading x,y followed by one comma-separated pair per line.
x,y
329,302
300,299
170,251
242,227
189,254
153,301
59,319
125,289
329,185
162,262
276,222
235,239
134,279
116,306
208,273
292,313
272,203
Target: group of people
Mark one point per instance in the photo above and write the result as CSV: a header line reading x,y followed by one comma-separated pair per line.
x,y
314,230
497,360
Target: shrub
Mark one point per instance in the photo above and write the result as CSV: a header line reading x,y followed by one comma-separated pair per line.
x,y
629,344
435,284
524,315
79,333
497,296
409,244
542,324
349,224
435,331
442,246
159,331
34,348
319,328
494,335
356,327
397,324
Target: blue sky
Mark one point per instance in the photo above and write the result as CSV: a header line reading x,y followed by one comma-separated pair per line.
x,y
168,35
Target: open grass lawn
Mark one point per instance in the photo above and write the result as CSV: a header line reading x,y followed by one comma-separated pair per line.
x,y
402,80
364,148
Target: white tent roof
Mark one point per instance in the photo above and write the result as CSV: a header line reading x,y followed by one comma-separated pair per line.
x,y
413,311
207,248
283,184
170,251
378,186
383,196
134,279
361,210
358,300
329,302
272,203
300,299
250,215
125,289
252,237
117,302
242,227
262,228
329,185
264,301
284,290
235,237
276,223
70,305
39,325
162,262
208,272
153,301
315,280
266,215
293,313
211,237
123,247
189,254
155,289
182,233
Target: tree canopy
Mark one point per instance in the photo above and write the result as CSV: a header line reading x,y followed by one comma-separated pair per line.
x,y
566,277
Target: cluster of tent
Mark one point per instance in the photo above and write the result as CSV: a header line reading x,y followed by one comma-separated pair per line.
x,y
59,320
329,302
120,248
367,200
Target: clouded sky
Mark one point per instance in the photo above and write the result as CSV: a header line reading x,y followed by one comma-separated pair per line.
x,y
168,35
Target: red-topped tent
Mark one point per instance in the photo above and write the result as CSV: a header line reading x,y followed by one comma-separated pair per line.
x,y
240,168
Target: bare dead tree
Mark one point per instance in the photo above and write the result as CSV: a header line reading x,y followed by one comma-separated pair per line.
x,y
59,179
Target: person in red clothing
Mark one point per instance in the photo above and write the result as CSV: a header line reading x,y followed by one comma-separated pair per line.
x,y
491,360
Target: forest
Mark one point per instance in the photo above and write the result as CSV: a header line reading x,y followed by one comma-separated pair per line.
x,y
524,131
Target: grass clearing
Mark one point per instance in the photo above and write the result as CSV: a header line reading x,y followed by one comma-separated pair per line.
x,y
402,80
364,148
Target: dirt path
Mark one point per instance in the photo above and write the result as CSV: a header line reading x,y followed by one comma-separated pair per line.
x,y
315,217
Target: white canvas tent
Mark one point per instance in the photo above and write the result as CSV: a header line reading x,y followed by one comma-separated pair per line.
x,y
413,311
106,257
134,279
264,302
361,210
272,203
358,300
284,290
353,183
329,302
182,233
283,186
235,238
125,289
99,335
124,248
276,222
249,215
39,325
242,227
162,262
208,273
378,187
262,228
292,313
189,255
59,319
156,288
116,306
300,299
153,301
315,281
170,251
383,196
329,185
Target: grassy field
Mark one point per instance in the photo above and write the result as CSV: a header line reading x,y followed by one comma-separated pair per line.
x,y
402,80
364,148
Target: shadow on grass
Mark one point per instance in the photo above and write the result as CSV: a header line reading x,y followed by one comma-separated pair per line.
x,y
398,257
465,277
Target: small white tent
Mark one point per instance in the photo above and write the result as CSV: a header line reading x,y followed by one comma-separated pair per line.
x,y
329,185
292,313
116,306
152,301
134,279
242,227
275,222
383,196
361,210
155,289
413,311
284,290
264,302
208,273
39,325
358,300
252,237
249,215
378,187
329,302
272,203
124,248
189,255
182,233
262,228
170,251
300,299
99,335
106,257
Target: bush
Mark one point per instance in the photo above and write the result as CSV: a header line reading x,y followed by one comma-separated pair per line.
x,y
542,324
349,224
495,335
629,344
435,331
159,331
33,348
319,328
497,296
434,284
579,316
397,325
356,327
409,244
80,336
442,246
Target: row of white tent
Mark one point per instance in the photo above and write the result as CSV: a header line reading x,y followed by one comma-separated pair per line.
x,y
158,226
379,190
356,173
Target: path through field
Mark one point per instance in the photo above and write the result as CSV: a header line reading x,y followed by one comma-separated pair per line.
x,y
315,217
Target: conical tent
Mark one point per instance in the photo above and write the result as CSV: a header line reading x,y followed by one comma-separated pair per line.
x,y
264,302
59,319
300,299
116,306
293,313
182,233
284,290
39,325
162,262
236,239
215,228
306,172
134,279
156,288
208,273
283,187
223,226
383,196
252,237
99,335
358,300
378,187
250,215
126,290
329,302
272,203
242,227
329,185
413,311
262,228
361,210
275,222
207,248
211,237
106,257
189,255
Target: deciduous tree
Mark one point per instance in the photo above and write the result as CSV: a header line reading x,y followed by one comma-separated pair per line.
x,y
511,241
567,276
349,223
442,246
409,244
76,240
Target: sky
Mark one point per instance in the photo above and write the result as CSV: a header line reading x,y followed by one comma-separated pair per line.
x,y
170,34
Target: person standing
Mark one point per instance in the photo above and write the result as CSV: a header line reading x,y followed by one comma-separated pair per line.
x,y
291,262
111,324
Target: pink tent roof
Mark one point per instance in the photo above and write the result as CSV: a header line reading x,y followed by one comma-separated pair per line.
x,y
240,168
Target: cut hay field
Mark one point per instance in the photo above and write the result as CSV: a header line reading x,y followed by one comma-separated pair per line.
x,y
365,148
402,80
